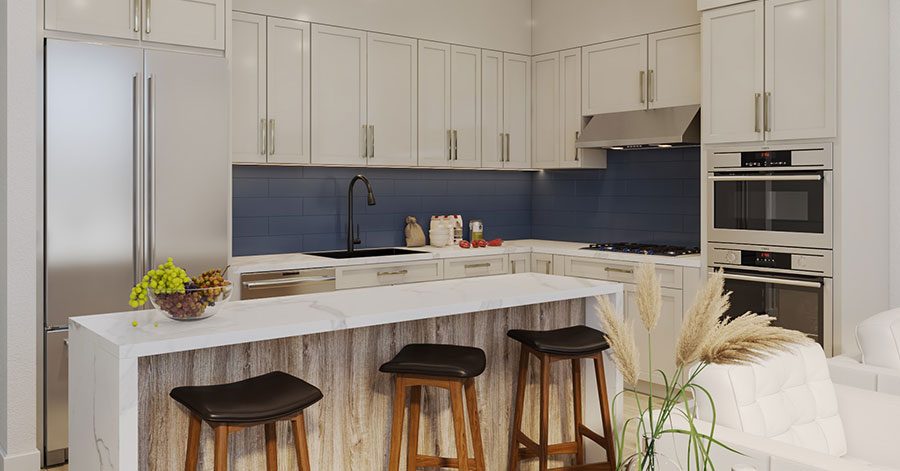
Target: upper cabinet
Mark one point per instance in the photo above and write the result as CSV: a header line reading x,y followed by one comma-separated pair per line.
x,y
615,76
270,90
673,71
194,23
517,110
545,100
769,71
435,128
493,135
465,105
569,107
392,100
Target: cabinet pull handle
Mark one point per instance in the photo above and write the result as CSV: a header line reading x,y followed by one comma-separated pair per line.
x,y
147,12
513,262
768,111
547,270
641,85
502,148
650,86
272,135
576,149
137,16
619,270
263,137
392,273
507,147
365,141
479,265
449,144
455,144
756,110
372,141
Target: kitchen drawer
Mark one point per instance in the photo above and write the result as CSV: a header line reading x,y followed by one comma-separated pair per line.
x,y
520,263
467,267
383,274
610,270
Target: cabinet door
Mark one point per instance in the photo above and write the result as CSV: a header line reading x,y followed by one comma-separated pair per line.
x,y
465,109
114,18
288,90
545,116
663,337
615,76
801,56
542,263
569,106
732,49
339,134
248,88
434,104
492,132
520,263
674,72
196,23
393,97
517,110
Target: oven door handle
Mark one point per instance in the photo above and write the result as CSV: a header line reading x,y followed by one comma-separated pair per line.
x,y
777,281
765,178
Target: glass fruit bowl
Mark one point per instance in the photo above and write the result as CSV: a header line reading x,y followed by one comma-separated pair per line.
x,y
190,304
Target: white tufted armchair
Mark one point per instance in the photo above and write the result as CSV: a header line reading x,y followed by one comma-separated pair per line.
x,y
877,366
785,414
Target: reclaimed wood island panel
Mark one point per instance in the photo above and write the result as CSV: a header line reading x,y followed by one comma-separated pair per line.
x,y
122,417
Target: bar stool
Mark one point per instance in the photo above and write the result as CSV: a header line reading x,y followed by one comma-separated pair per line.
x,y
572,344
448,367
261,400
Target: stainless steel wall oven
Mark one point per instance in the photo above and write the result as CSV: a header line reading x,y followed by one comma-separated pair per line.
x,y
778,196
792,285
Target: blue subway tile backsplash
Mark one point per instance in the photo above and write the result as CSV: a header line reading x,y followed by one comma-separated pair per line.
x,y
643,196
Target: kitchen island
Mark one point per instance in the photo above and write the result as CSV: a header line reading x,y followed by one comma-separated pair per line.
x,y
121,418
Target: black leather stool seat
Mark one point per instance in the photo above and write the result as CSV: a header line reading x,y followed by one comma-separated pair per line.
x,y
263,398
437,360
575,340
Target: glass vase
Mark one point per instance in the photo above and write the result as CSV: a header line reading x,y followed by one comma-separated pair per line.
x,y
648,459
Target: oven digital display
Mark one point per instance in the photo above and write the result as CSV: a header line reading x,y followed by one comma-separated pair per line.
x,y
766,259
773,158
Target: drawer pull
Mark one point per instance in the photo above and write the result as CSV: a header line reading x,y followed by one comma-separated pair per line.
x,y
619,270
286,282
478,265
393,273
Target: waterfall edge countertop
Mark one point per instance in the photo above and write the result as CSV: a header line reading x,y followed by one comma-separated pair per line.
x,y
291,316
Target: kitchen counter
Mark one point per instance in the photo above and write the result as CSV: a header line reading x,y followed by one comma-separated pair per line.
x,y
120,374
291,261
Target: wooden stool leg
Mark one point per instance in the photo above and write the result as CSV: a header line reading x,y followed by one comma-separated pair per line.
x,y
271,447
397,423
474,424
604,409
298,426
193,445
459,425
517,418
221,449
576,396
415,408
544,444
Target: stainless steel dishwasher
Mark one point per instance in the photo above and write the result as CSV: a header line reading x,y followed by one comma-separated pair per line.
x,y
287,283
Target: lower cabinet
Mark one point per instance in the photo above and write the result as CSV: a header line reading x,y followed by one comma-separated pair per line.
x,y
520,263
547,264
468,267
383,274
662,338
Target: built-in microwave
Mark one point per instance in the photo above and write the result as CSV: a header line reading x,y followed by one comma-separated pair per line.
x,y
771,196
792,285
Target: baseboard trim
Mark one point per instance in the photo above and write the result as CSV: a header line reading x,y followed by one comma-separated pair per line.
x,y
30,461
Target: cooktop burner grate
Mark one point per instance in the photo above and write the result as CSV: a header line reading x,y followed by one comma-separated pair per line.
x,y
645,249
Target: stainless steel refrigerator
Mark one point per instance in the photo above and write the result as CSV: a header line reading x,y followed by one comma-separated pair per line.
x,y
136,170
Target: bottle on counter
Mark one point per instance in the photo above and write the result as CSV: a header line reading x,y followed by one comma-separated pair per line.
x,y
457,229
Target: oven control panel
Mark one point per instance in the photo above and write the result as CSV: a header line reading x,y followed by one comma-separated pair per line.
x,y
775,259
773,158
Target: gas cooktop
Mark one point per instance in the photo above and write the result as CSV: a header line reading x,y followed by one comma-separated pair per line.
x,y
645,249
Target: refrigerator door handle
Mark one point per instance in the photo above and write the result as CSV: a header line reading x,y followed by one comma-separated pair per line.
x,y
150,191
137,200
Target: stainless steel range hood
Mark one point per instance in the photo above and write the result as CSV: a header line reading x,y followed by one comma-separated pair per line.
x,y
678,126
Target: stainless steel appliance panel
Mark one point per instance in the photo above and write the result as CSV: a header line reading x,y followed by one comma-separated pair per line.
x,y
56,391
287,283
188,162
92,232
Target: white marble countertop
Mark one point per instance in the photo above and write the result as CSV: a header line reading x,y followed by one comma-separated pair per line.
x,y
291,316
299,261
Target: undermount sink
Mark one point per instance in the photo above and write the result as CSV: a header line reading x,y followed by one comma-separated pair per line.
x,y
361,253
